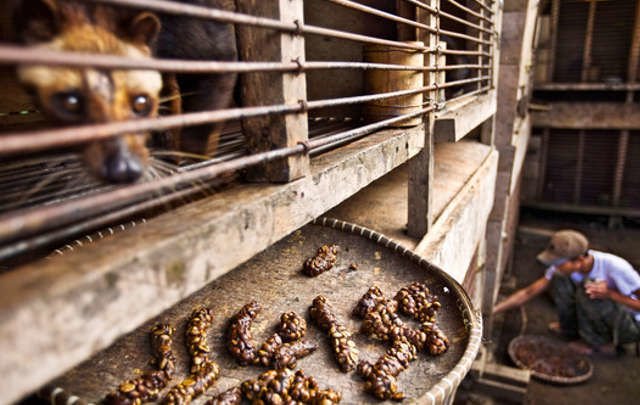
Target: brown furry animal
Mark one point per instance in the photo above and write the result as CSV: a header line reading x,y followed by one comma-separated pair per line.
x,y
88,95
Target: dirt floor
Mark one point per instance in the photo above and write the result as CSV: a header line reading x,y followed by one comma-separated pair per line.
x,y
616,380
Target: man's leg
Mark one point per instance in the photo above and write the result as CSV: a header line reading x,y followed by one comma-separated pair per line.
x,y
603,322
563,292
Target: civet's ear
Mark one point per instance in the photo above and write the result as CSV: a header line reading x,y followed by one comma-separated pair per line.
x,y
36,21
144,28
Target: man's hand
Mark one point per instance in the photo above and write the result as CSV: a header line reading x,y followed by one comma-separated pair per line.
x,y
597,290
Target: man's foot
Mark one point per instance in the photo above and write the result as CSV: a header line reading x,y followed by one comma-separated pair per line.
x,y
556,330
554,327
581,347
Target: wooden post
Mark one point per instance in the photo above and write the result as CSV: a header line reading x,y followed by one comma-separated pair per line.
x,y
481,47
634,53
268,88
555,14
544,150
406,32
588,41
577,185
421,167
623,145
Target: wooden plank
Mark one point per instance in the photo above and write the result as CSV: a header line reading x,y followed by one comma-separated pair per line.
x,y
587,87
634,50
456,233
421,168
583,209
621,159
273,88
634,53
577,185
454,123
555,15
56,313
589,116
588,41
544,152
522,137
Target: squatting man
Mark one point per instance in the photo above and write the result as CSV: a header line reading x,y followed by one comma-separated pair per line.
x,y
596,294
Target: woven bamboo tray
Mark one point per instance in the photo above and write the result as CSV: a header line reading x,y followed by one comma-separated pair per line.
x,y
549,351
273,278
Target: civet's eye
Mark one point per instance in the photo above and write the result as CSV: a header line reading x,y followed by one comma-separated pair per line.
x,y
68,104
141,105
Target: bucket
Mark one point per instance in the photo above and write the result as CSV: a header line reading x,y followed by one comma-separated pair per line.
x,y
384,81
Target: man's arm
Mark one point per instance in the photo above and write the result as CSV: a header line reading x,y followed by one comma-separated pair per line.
x,y
522,296
599,290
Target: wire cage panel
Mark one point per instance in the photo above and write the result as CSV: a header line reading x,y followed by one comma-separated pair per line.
x,y
613,30
571,31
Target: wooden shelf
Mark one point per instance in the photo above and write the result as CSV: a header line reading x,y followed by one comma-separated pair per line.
x,y
589,115
464,172
458,119
58,312
587,86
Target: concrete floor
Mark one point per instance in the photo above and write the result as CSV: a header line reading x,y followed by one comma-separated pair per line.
x,y
615,380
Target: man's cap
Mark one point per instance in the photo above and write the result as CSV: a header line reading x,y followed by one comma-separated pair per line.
x,y
564,245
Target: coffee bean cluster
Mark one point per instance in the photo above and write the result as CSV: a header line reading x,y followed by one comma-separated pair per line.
x,y
204,371
417,302
324,260
232,396
381,322
344,347
239,339
285,386
292,327
381,376
436,342
147,387
281,349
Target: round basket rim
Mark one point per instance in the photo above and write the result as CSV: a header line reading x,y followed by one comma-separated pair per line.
x,y
543,376
446,387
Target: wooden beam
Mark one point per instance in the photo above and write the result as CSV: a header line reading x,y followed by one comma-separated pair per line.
x,y
56,313
273,88
583,209
589,116
451,244
587,87
577,185
621,159
634,53
634,50
588,42
544,151
421,168
456,121
555,16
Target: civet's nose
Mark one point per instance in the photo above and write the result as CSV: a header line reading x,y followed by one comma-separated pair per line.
x,y
122,168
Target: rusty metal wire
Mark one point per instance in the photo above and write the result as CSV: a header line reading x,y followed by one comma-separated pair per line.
x,y
463,52
441,13
470,11
370,10
31,141
482,4
28,222
245,19
20,55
